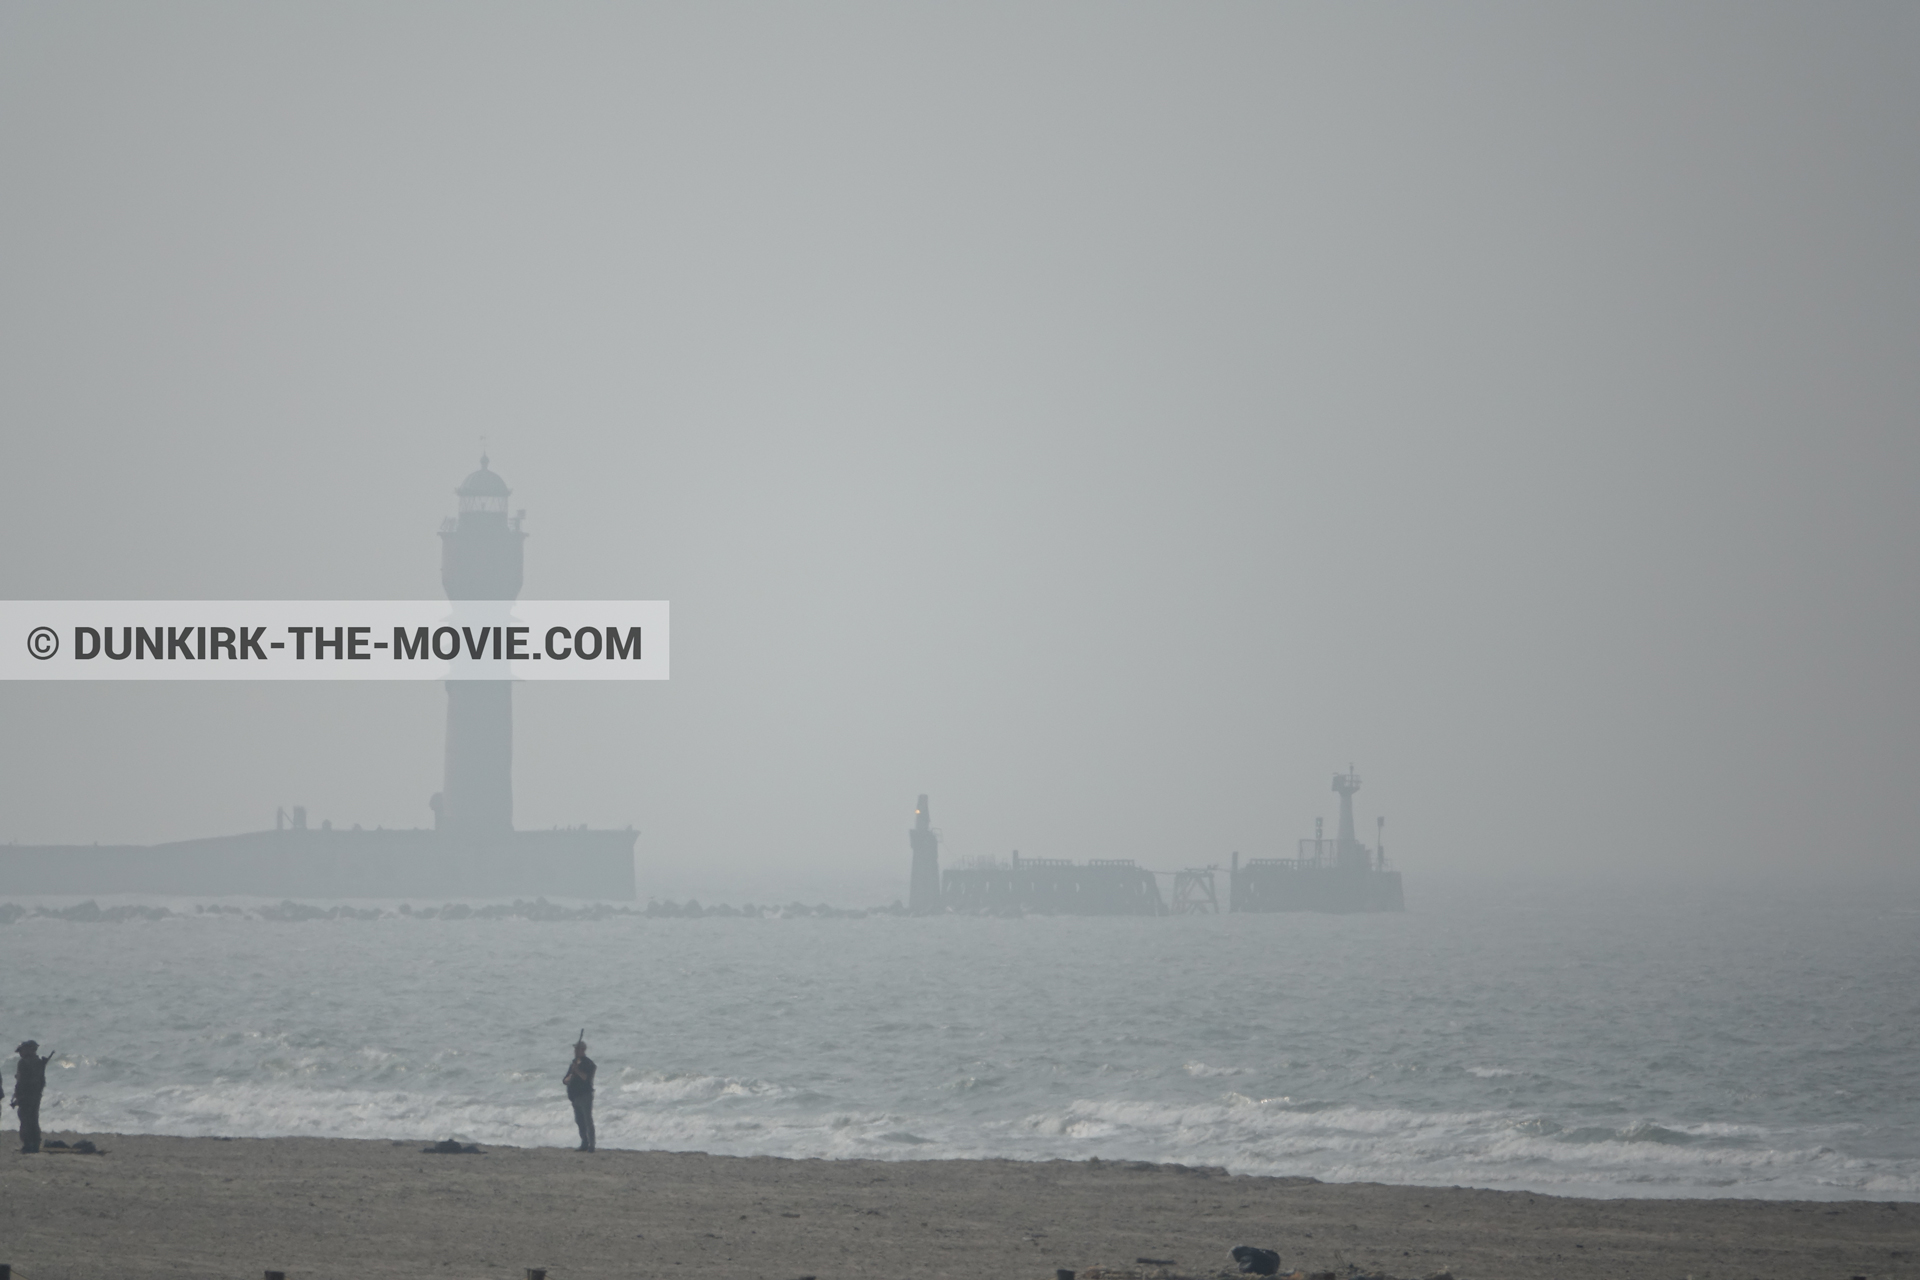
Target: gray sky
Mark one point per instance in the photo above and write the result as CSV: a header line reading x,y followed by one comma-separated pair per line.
x,y
1108,419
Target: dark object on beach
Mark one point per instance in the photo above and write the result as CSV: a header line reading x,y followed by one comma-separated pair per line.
x,y
276,1275
449,1147
1256,1262
536,1273
1063,1274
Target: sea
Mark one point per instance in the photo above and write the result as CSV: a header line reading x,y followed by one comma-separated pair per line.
x,y
1595,1038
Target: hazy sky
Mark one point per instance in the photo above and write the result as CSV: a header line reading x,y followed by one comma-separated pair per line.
x,y
1107,419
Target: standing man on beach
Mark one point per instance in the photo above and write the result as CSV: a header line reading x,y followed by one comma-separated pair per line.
x,y
29,1082
579,1082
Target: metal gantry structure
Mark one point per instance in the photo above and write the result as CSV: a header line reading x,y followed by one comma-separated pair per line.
x,y
1193,893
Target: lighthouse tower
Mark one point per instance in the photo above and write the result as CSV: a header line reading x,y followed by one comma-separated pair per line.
x,y
481,558
923,890
1351,854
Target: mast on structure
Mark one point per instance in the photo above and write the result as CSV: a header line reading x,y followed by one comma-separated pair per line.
x,y
1349,852
923,890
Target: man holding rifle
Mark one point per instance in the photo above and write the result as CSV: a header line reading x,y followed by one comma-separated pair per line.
x,y
579,1082
28,1084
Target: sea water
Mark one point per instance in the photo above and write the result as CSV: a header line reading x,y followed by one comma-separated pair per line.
x,y
1600,1040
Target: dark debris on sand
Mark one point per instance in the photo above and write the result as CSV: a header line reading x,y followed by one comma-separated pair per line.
x,y
1159,1269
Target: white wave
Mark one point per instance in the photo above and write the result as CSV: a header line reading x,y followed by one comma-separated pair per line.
x,y
661,1088
1066,1039
1267,1136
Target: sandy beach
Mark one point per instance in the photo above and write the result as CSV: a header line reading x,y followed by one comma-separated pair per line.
x,y
157,1206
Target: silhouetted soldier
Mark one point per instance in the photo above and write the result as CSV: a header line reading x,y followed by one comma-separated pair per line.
x,y
28,1084
579,1082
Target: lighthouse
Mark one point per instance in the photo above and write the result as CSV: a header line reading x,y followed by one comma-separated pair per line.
x,y
1351,855
923,890
472,851
481,558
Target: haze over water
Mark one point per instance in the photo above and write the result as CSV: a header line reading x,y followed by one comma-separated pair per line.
x,y
1606,1039
1108,420
1111,421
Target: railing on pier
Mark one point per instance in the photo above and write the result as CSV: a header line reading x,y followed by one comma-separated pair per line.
x,y
1316,854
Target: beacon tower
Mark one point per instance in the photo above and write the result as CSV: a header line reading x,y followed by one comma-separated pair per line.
x,y
481,558
923,890
1327,875
472,851
1349,854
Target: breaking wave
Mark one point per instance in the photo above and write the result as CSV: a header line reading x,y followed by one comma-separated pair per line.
x,y
1399,1049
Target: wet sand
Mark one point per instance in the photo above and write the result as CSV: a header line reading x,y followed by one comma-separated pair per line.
x,y
208,1207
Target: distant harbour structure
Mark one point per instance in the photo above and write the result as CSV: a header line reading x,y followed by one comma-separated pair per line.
x,y
472,850
1338,875
1046,886
923,889
1053,886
